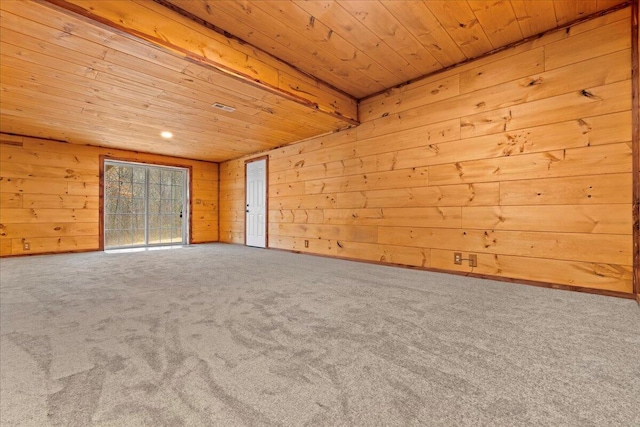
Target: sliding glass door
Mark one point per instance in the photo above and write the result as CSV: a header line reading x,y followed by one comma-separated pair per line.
x,y
144,205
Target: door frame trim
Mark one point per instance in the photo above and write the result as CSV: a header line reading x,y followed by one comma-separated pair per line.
x,y
266,200
104,157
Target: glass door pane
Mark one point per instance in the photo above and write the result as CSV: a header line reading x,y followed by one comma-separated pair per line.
x,y
166,205
144,205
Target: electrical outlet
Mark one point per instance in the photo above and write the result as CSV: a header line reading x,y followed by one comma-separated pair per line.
x,y
306,243
26,246
457,257
473,260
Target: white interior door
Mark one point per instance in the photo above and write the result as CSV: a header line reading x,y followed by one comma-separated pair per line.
x,y
256,218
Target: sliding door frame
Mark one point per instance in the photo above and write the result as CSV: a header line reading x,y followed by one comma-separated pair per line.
x,y
189,187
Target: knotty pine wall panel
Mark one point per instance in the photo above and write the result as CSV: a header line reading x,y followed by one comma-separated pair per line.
x,y
522,158
49,195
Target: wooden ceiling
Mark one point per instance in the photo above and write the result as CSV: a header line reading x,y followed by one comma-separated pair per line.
x,y
69,78
117,73
363,47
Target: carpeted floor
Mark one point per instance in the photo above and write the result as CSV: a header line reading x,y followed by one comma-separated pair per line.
x,y
225,335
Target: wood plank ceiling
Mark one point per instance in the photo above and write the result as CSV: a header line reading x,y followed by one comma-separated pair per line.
x,y
363,47
120,81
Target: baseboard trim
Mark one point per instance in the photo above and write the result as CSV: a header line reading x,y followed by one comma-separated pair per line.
x,y
557,286
79,251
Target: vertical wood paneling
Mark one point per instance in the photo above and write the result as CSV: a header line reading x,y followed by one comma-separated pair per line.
x,y
49,195
527,155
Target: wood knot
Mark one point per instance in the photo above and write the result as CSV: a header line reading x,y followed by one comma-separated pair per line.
x,y
535,82
590,95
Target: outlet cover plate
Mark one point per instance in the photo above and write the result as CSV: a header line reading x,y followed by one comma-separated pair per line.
x,y
473,260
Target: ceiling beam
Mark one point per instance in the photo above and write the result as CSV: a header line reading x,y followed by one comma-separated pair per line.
x,y
166,29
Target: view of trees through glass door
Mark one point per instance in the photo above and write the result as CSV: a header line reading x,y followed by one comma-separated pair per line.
x,y
144,205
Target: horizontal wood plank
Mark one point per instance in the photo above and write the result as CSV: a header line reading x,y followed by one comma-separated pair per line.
x,y
63,201
387,254
402,178
588,102
43,215
22,170
482,194
511,68
605,159
601,219
446,217
33,186
602,248
60,229
298,216
608,38
365,234
583,190
610,277
54,244
11,200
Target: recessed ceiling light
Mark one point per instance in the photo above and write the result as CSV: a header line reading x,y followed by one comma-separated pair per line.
x,y
224,107
166,134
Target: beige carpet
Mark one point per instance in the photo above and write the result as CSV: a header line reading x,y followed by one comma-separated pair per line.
x,y
220,335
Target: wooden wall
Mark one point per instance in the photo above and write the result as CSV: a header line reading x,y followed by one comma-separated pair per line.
x,y
522,158
49,195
